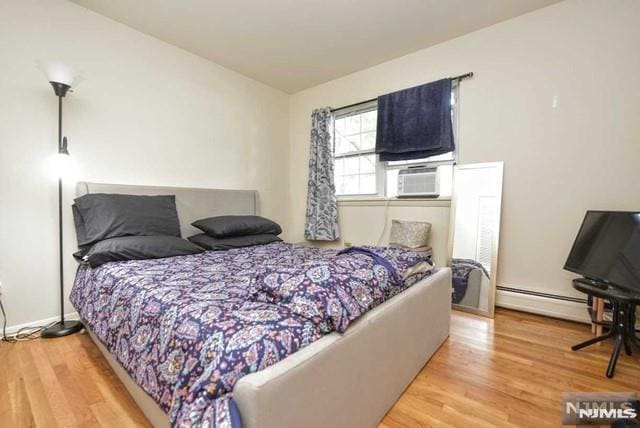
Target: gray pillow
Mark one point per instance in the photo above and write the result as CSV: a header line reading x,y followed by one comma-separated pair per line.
x,y
138,248
212,243
237,225
81,233
107,215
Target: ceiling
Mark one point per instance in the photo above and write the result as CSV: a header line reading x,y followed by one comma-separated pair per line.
x,y
296,44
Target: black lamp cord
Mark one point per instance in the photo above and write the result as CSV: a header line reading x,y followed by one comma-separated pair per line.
x,y
25,333
4,323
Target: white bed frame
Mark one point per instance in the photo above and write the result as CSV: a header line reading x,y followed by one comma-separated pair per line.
x,y
345,380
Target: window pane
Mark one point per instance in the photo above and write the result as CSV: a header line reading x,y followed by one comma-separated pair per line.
x,y
351,185
353,124
368,183
369,120
351,165
367,164
338,168
356,175
368,141
348,144
354,142
342,145
340,125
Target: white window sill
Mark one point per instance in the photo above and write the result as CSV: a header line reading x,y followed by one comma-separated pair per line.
x,y
354,201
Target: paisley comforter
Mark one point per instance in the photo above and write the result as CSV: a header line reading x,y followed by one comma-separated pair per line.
x,y
187,328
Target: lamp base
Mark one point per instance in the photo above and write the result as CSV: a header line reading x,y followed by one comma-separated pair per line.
x,y
61,329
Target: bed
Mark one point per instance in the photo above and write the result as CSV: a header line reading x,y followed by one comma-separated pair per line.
x,y
331,379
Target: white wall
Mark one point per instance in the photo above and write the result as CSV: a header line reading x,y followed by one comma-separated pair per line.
x,y
147,113
561,158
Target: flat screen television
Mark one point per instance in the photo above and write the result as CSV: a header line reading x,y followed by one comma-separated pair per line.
x,y
607,249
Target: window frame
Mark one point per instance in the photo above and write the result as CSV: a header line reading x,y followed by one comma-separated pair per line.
x,y
380,172
382,167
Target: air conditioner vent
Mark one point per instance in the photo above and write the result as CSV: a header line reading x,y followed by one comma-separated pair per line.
x,y
418,182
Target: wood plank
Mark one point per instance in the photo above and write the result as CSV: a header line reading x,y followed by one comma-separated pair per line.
x,y
38,400
20,400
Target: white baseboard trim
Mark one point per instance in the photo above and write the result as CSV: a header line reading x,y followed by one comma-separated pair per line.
x,y
37,323
550,307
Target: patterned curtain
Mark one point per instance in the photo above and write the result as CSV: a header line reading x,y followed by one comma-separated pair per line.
x,y
322,208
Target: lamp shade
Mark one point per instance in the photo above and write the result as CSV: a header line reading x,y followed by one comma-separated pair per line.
x,y
58,72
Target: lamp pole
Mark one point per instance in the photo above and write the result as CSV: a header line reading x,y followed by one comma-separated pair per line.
x,y
61,248
62,327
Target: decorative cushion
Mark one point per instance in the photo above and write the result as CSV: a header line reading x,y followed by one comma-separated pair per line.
x,y
237,225
409,234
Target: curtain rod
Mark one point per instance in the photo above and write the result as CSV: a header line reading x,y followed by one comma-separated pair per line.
x,y
461,77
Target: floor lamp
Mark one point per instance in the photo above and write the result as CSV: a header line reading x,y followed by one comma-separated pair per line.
x,y
61,78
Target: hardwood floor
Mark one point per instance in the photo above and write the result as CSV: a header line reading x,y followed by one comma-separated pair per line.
x,y
507,372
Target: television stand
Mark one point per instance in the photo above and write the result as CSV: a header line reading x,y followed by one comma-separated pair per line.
x,y
622,327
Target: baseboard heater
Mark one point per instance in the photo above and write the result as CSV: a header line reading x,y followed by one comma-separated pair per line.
x,y
540,294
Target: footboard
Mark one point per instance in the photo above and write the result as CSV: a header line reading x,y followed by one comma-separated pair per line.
x,y
352,380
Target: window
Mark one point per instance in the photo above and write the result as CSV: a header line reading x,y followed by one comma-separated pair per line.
x,y
359,172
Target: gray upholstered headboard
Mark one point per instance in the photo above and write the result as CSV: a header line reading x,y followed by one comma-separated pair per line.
x,y
192,203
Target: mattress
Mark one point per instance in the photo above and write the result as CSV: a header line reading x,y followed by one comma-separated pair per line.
x,y
187,329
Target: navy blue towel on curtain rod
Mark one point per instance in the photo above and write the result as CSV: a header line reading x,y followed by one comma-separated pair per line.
x,y
415,123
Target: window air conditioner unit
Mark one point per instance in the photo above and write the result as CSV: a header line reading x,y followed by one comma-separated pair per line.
x,y
418,181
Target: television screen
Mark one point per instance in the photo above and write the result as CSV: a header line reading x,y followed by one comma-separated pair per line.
x,y
607,248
